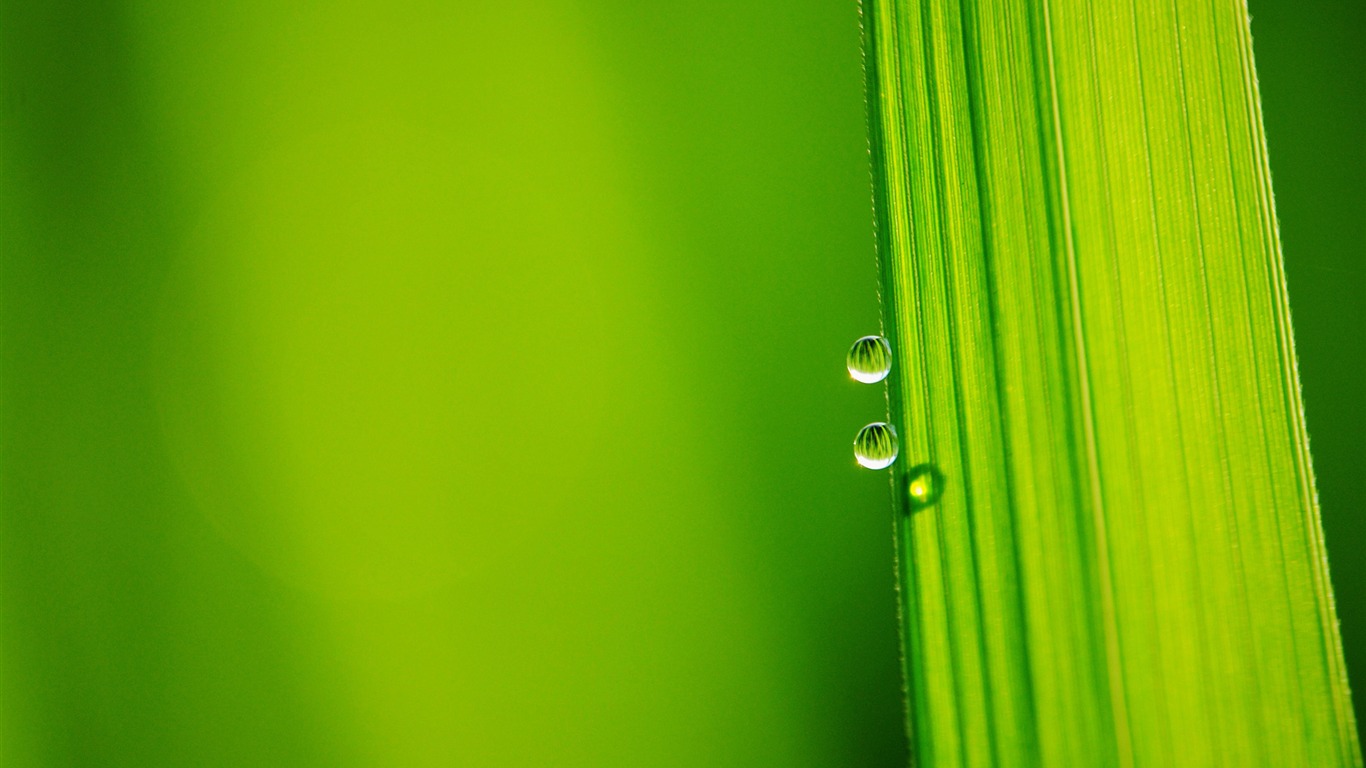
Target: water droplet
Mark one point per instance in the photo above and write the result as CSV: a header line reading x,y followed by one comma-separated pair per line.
x,y
870,359
924,486
876,445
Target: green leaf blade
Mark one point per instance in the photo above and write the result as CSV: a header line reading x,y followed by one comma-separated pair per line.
x,y
1082,278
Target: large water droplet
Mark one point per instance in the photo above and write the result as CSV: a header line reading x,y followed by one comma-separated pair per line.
x,y
870,359
876,445
924,486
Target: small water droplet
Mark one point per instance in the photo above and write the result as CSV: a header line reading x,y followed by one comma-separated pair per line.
x,y
924,486
870,359
876,445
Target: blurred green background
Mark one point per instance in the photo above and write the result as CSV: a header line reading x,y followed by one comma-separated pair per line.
x,y
1311,64
407,384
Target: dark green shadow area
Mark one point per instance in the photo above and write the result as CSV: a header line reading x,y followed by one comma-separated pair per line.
x,y
1311,65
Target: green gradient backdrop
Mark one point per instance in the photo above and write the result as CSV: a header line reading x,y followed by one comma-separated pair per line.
x,y
399,384
1311,64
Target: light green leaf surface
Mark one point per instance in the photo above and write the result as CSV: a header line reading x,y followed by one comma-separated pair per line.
x,y
1083,286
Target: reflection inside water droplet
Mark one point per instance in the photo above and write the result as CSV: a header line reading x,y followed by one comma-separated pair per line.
x,y
870,359
924,486
876,445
